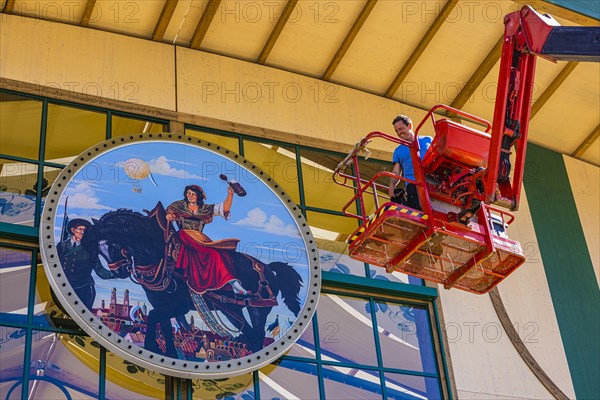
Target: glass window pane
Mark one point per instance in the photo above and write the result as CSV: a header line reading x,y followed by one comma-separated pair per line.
x,y
305,346
319,188
123,126
351,383
125,380
20,124
65,366
287,379
49,176
344,326
376,272
12,351
47,311
331,227
279,162
405,337
368,169
18,184
333,259
227,142
399,386
15,268
239,387
70,131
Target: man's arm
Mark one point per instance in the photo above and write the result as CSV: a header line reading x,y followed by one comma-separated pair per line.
x,y
396,170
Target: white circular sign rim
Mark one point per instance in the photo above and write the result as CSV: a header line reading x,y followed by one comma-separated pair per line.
x,y
136,354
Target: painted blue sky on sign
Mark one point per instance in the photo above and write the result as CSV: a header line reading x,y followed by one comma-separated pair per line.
x,y
265,227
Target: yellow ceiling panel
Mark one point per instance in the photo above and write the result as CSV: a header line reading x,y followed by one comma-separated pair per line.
x,y
592,155
386,40
65,11
572,113
481,102
455,53
241,28
134,18
313,34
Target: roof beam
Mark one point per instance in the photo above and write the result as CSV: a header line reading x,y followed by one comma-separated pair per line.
x,y
87,13
8,7
163,21
554,85
588,141
205,20
285,15
479,75
360,21
420,49
543,7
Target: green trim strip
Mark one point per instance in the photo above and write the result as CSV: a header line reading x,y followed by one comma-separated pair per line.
x,y
438,326
14,231
102,374
567,264
380,287
589,8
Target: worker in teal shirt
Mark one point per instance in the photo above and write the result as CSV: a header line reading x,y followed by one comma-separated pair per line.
x,y
402,163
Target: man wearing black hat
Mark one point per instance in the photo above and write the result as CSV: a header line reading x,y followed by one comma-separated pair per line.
x,y
78,265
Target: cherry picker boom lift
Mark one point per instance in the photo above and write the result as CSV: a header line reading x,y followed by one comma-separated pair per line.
x,y
465,182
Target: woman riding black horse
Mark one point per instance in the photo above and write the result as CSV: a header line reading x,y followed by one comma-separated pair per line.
x,y
204,263
147,248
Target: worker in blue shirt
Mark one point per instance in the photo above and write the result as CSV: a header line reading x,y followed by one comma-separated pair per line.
x,y
402,163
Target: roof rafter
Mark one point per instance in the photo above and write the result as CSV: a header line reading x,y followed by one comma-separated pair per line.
x,y
205,20
420,49
285,15
479,75
9,6
87,12
587,142
163,21
552,87
337,58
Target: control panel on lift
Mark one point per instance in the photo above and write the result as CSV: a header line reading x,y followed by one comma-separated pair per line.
x,y
469,179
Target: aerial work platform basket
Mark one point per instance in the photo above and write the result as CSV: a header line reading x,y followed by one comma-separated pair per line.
x,y
474,254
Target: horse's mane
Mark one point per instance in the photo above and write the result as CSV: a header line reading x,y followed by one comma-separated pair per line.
x,y
130,228
126,222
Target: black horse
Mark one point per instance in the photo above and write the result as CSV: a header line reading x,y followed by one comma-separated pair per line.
x,y
144,245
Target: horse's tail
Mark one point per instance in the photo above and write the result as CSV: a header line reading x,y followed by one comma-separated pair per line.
x,y
289,282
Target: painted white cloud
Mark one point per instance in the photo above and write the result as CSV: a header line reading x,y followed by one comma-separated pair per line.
x,y
162,166
83,195
258,219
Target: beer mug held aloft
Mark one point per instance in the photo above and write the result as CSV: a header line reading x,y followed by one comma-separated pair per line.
x,y
236,186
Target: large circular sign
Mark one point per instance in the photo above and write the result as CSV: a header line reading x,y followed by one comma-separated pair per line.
x,y
180,256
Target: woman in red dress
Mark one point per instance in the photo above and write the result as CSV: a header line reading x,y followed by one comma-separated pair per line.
x,y
205,264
